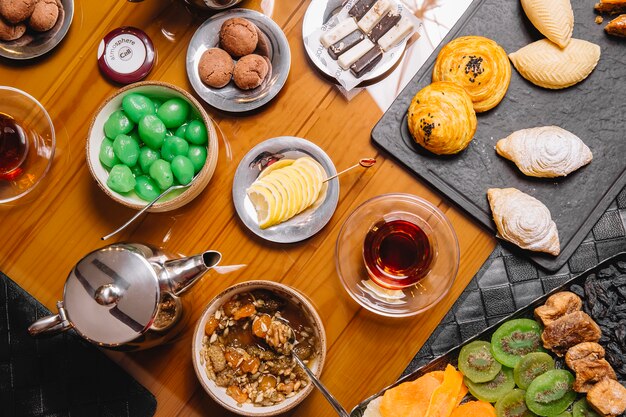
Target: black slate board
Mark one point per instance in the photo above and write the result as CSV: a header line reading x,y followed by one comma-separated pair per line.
x,y
60,376
606,270
507,282
593,110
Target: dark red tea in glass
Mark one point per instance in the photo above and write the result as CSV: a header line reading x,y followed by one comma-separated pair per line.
x,y
397,253
13,146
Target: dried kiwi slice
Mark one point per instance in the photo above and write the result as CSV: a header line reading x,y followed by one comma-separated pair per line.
x,y
582,408
477,363
513,404
492,390
551,393
530,367
514,339
565,414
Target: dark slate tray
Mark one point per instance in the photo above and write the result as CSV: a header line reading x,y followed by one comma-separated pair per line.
x,y
593,110
616,264
60,376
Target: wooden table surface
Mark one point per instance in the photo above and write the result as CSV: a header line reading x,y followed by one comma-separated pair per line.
x,y
47,233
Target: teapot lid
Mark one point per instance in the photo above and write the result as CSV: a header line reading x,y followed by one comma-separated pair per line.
x,y
111,296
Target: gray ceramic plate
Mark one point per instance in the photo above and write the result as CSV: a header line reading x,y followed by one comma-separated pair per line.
x,y
34,44
272,43
318,13
305,224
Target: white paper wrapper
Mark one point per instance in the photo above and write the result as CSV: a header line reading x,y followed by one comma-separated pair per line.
x,y
345,77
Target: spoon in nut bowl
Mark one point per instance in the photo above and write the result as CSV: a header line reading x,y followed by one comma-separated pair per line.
x,y
282,338
150,204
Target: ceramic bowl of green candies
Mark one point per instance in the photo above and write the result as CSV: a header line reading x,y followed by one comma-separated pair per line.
x,y
150,136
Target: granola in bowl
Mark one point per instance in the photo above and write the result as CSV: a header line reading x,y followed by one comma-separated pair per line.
x,y
245,345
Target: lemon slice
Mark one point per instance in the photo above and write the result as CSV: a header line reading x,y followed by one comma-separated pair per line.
x,y
281,196
276,165
293,196
301,185
264,203
309,180
317,173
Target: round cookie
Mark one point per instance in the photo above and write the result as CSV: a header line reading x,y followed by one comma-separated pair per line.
x,y
45,15
216,67
15,11
250,71
9,32
238,37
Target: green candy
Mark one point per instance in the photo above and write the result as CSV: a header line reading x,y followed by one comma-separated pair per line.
x,y
173,146
126,149
152,131
197,156
107,155
196,133
121,179
161,172
146,157
157,103
117,123
136,170
136,106
173,112
182,169
135,135
146,188
180,132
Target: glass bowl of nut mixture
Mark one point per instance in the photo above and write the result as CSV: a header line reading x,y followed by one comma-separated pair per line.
x,y
242,348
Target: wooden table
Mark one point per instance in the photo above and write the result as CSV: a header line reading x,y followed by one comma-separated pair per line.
x,y
46,234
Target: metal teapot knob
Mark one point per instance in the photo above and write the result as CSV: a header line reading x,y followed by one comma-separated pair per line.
x,y
108,294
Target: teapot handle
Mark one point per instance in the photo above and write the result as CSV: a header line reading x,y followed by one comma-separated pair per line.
x,y
51,325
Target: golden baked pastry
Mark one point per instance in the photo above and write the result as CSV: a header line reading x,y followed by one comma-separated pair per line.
x,y
441,118
611,6
617,26
523,220
553,18
477,64
544,64
546,151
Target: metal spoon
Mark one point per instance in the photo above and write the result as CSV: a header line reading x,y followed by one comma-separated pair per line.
x,y
150,204
318,384
365,163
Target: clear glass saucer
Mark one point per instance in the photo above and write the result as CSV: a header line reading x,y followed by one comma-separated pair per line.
x,y
418,297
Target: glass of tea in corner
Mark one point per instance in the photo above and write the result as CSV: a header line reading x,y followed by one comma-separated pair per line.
x,y
27,143
397,255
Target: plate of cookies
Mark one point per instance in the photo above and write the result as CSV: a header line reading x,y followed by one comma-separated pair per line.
x,y
31,28
238,60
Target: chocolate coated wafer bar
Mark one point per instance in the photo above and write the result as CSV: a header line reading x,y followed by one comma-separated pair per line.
x,y
338,32
375,14
350,57
360,8
344,44
366,62
396,34
385,24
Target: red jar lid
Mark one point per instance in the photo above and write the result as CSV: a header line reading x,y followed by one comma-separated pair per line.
x,y
126,55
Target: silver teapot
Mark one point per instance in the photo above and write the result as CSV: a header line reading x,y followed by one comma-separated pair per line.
x,y
127,296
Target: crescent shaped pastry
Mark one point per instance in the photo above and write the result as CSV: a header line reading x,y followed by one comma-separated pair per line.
x,y
523,220
547,151
441,118
553,18
477,64
544,64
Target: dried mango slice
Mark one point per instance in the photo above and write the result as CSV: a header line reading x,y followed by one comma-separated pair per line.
x,y
445,397
410,399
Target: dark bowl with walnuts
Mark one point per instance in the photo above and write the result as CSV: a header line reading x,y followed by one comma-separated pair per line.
x,y
242,348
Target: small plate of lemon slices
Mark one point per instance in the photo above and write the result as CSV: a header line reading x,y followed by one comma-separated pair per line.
x,y
280,189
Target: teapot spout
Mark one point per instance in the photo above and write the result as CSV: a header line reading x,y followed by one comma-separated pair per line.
x,y
181,274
